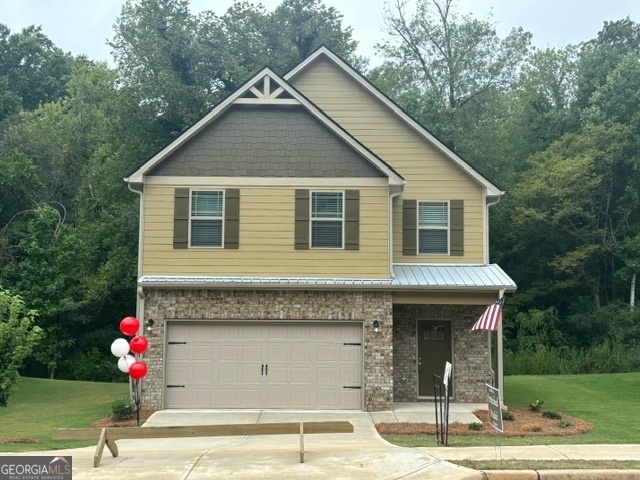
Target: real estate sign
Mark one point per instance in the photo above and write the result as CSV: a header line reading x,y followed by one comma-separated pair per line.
x,y
495,412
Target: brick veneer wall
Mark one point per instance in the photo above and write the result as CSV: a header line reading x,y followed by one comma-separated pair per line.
x,y
470,351
162,305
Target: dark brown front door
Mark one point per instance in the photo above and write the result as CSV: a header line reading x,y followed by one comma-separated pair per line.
x,y
434,350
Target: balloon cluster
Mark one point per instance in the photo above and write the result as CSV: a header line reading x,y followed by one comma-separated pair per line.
x,y
120,347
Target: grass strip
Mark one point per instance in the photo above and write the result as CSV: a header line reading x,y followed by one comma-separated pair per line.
x,y
549,464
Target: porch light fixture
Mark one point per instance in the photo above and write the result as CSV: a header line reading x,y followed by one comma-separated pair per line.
x,y
150,324
376,326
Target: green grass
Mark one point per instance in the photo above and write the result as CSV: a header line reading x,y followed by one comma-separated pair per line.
x,y
40,406
549,464
608,401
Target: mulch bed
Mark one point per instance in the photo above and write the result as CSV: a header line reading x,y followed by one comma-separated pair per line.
x,y
107,422
526,423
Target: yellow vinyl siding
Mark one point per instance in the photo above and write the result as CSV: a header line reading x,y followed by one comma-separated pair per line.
x,y
266,239
429,174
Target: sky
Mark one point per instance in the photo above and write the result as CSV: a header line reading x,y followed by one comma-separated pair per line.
x,y
81,26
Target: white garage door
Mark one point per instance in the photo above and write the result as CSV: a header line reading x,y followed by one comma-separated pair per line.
x,y
264,365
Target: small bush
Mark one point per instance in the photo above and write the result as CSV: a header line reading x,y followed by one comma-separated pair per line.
x,y
476,426
564,424
122,409
508,416
535,406
551,414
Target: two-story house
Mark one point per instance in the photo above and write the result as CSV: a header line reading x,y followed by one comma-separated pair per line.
x,y
308,245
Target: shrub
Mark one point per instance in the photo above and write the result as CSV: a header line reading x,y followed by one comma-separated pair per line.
x,y
18,337
508,416
122,409
551,414
564,424
476,426
535,406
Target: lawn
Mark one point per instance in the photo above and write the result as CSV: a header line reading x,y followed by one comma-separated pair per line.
x,y
609,402
40,406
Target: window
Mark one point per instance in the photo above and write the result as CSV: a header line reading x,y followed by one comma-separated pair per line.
x,y
433,227
206,218
327,219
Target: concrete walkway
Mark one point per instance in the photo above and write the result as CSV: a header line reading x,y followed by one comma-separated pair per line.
x,y
361,455
538,452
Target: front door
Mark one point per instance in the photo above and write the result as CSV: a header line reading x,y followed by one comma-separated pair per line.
x,y
434,350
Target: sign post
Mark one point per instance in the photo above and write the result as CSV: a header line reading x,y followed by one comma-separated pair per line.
x,y
495,412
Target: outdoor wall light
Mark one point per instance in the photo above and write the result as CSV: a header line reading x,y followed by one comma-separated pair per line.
x,y
376,326
150,324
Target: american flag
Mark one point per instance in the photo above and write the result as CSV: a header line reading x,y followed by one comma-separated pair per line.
x,y
490,318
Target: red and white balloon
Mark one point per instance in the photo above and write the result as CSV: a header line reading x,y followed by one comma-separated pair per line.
x,y
131,364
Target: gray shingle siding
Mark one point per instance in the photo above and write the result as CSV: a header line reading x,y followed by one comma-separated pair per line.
x,y
266,141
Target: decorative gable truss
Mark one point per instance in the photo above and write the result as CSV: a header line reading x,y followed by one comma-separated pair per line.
x,y
267,91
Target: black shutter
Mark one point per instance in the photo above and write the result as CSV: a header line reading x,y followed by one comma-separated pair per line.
x,y
302,220
456,227
231,218
410,227
181,218
352,220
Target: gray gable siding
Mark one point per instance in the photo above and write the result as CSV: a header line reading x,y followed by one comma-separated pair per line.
x,y
266,141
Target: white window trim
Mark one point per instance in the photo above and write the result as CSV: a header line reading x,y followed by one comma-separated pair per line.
x,y
311,219
224,199
447,228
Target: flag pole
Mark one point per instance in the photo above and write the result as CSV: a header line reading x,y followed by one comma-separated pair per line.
x,y
500,357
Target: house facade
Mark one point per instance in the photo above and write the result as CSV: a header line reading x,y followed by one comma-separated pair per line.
x,y
308,245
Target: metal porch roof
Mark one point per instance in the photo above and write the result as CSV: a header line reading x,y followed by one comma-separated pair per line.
x,y
406,277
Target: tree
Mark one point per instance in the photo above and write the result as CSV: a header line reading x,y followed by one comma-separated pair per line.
x,y
32,70
451,72
180,64
629,252
603,54
457,56
18,336
569,210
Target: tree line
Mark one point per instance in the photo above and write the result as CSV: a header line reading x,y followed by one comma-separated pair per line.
x,y
556,128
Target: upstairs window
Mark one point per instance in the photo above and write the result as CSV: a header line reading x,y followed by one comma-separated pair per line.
x,y
433,227
327,214
206,218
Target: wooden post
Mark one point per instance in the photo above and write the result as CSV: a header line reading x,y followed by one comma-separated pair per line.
x,y
301,442
99,449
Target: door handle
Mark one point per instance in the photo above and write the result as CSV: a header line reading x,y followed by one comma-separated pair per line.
x,y
419,367
266,369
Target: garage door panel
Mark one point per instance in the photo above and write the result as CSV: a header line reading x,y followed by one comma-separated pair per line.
x,y
203,352
349,376
328,353
277,353
250,353
302,375
177,397
300,353
268,365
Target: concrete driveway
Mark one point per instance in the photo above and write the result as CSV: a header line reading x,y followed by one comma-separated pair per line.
x,y
362,454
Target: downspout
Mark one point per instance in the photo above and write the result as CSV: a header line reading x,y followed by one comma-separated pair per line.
x,y
500,355
140,295
392,195
499,340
